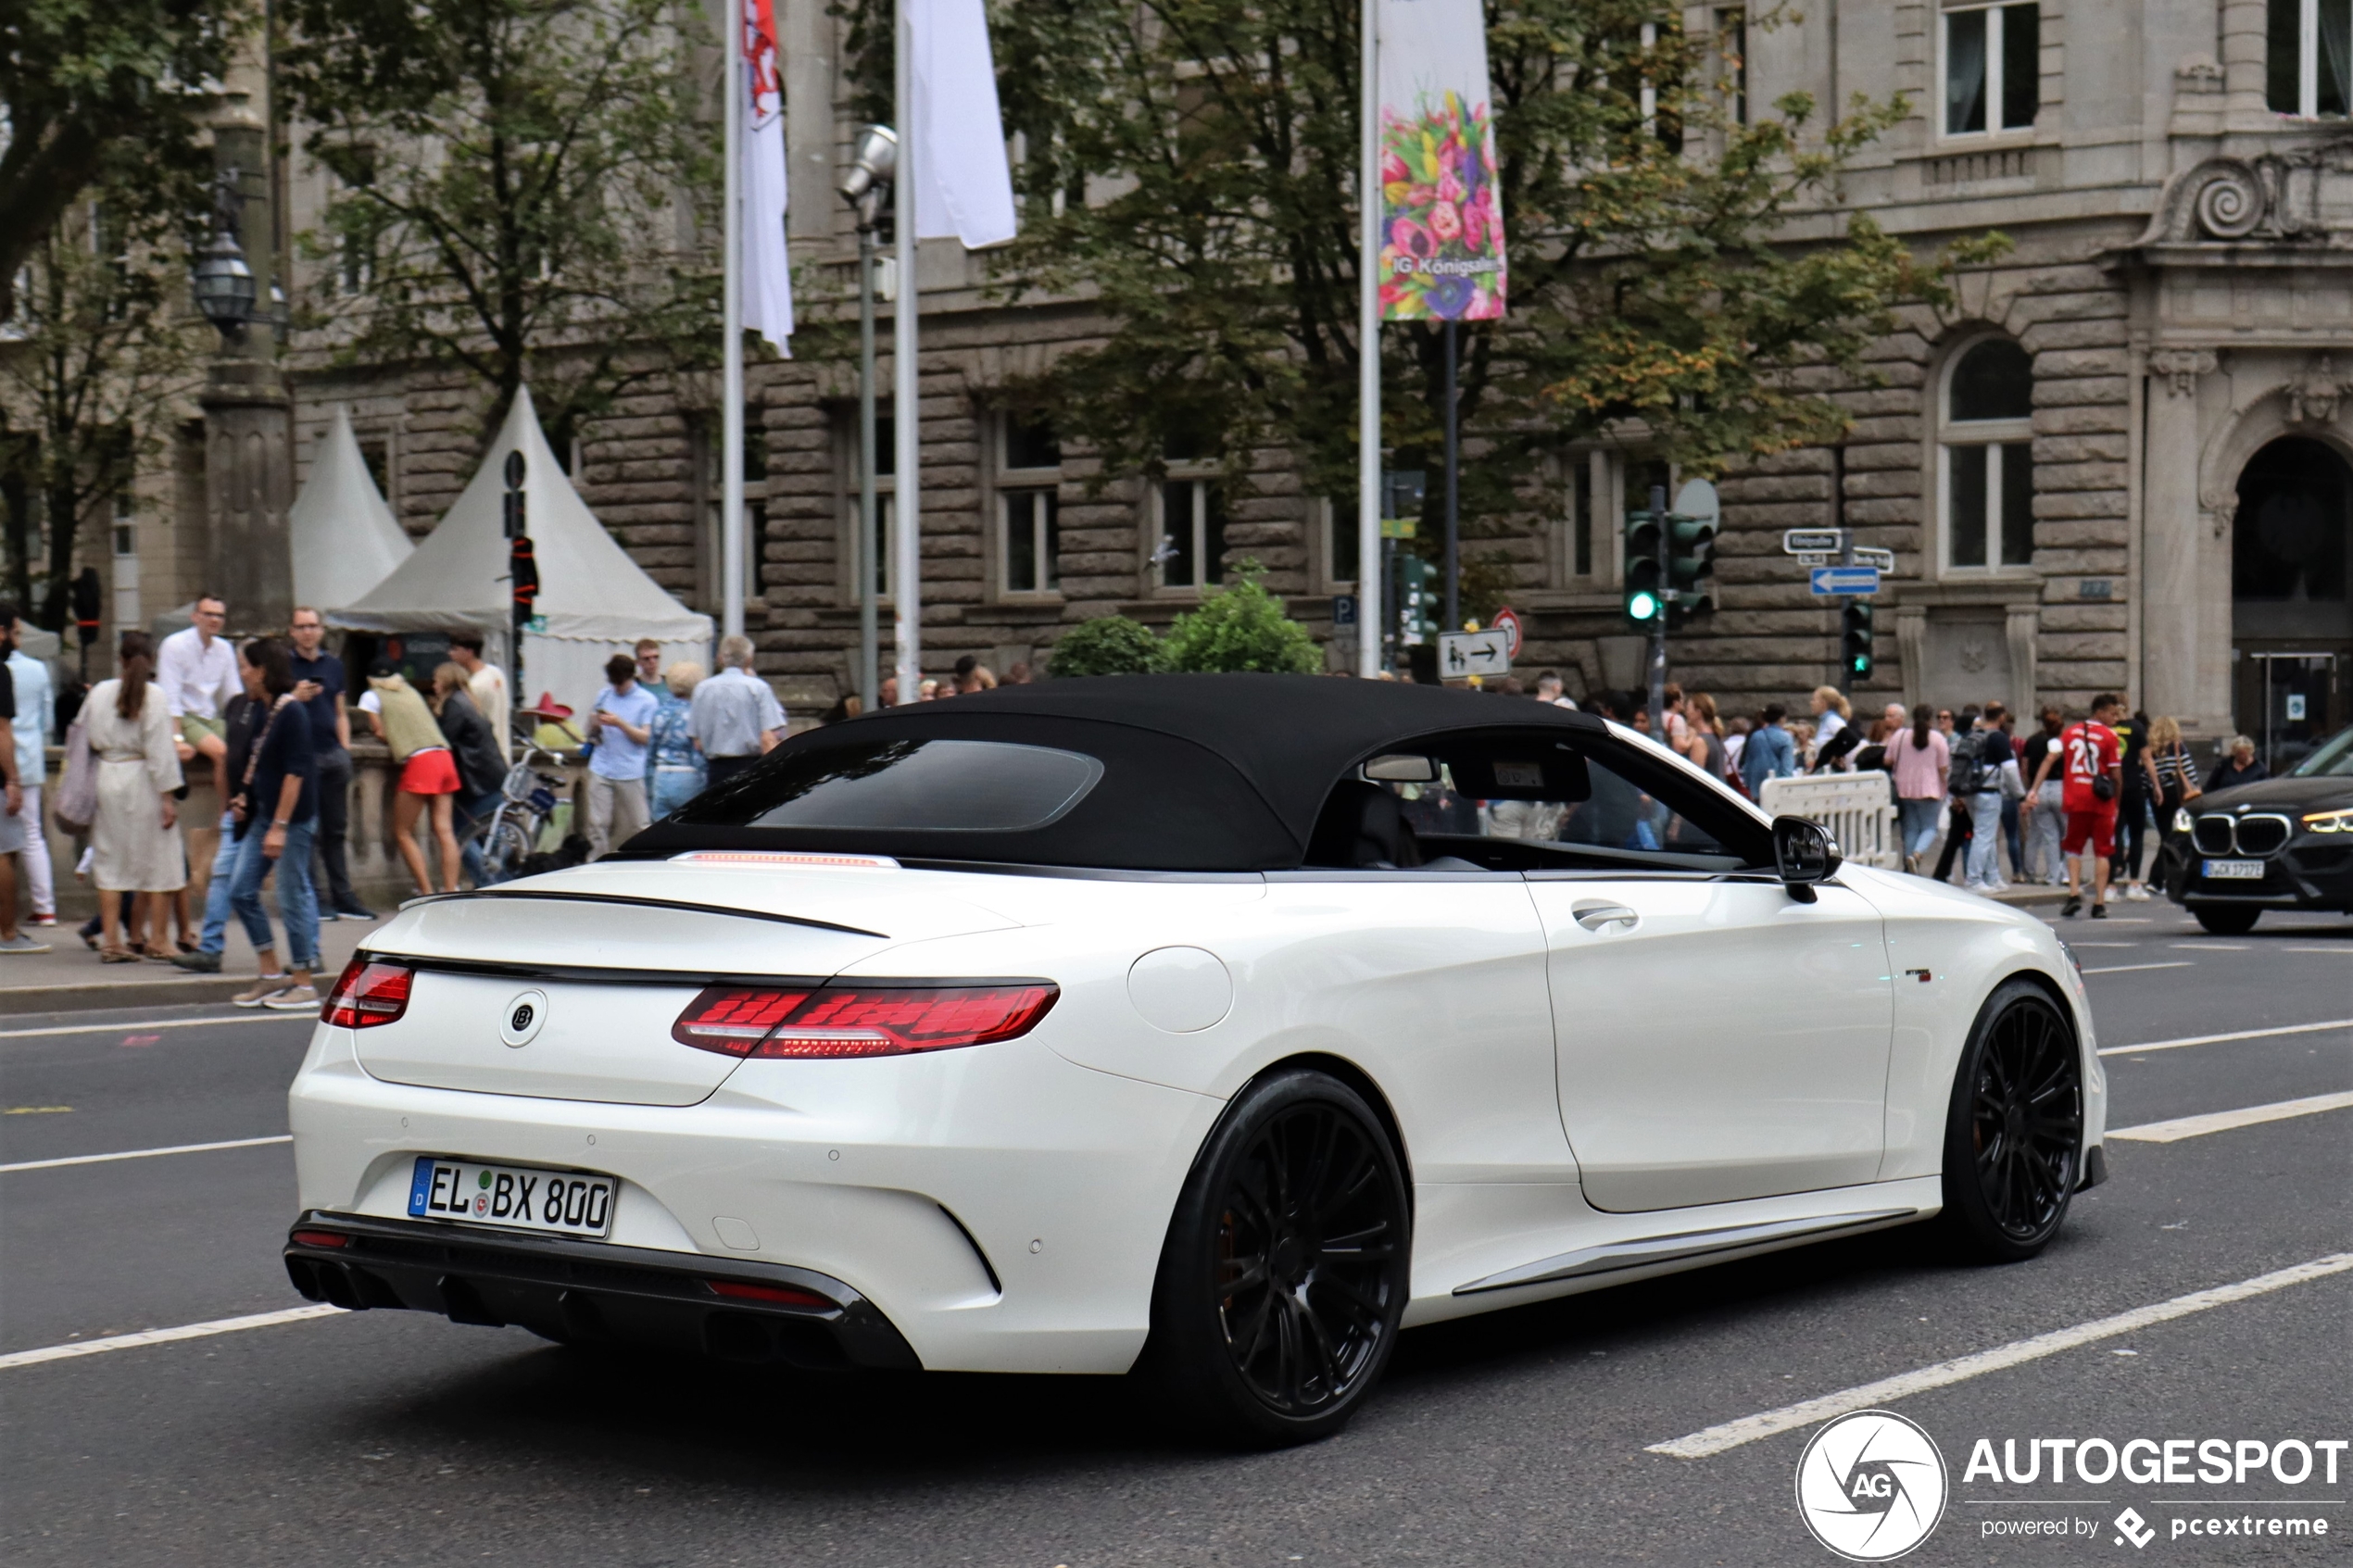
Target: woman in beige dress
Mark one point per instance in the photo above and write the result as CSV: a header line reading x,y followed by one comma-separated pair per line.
x,y
136,837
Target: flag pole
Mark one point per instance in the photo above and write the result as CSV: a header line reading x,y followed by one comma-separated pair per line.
x,y
1372,597
731,418
906,553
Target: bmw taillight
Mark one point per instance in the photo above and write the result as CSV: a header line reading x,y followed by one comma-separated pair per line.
x,y
850,1020
371,992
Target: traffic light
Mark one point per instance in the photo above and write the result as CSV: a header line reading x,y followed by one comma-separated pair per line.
x,y
523,571
1417,601
1690,566
1645,567
1854,637
512,515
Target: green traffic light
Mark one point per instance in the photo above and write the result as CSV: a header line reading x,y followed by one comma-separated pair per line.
x,y
1643,606
1862,664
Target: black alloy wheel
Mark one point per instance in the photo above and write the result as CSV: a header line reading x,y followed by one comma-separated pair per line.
x,y
2014,1136
2226,920
1286,1267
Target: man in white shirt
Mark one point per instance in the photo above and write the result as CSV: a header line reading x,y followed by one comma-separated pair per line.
x,y
733,717
487,684
198,669
36,700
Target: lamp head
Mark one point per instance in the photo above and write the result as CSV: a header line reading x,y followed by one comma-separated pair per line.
x,y
870,171
223,284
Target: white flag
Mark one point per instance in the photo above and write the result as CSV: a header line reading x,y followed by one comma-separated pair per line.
x,y
963,187
766,269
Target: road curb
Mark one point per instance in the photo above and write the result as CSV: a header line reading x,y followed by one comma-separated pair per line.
x,y
176,991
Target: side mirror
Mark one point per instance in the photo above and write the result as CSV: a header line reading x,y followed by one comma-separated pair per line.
x,y
1804,854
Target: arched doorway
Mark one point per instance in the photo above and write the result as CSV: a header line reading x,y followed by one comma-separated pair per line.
x,y
2291,621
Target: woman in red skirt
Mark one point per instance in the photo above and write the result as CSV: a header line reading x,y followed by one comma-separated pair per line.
x,y
428,773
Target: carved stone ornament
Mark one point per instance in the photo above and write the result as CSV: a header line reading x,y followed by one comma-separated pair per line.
x,y
2181,368
2312,397
2275,196
1975,654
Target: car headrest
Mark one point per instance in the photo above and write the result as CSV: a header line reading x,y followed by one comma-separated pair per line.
x,y
1362,825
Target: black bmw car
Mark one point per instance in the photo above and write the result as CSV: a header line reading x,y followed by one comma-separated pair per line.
x,y
2281,843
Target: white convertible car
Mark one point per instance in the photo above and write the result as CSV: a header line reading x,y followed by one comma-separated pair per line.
x,y
1216,1026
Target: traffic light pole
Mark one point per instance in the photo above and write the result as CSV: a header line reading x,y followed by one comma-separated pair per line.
x,y
1845,663
1658,626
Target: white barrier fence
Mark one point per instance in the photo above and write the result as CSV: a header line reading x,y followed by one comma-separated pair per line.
x,y
1857,809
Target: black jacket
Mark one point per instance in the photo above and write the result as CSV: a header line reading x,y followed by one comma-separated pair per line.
x,y
472,746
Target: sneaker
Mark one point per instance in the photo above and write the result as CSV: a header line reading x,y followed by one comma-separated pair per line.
x,y
327,915
2099,911
261,990
43,920
355,912
2137,892
293,998
2074,907
21,942
198,963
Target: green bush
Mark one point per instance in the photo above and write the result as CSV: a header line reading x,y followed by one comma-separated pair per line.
x,y
1109,644
1243,628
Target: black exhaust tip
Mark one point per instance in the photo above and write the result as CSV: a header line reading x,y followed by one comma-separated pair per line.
x,y
464,1303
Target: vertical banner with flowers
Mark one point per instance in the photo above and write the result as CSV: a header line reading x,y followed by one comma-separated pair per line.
x,y
1441,254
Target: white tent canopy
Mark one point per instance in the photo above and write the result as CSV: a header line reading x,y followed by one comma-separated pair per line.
x,y
345,540
594,601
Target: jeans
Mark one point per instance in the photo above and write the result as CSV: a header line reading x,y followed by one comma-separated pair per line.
x,y
1918,824
215,936
297,901
40,876
334,829
616,813
674,785
2009,835
1985,838
2131,817
468,812
2044,829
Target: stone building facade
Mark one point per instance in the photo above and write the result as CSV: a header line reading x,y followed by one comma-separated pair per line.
x,y
2119,462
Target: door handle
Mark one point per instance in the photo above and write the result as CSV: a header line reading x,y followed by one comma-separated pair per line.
x,y
1595,916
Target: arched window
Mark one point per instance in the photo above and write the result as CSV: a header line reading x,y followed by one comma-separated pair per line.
x,y
1986,444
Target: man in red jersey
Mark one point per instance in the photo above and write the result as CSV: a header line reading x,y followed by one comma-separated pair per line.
x,y
2093,759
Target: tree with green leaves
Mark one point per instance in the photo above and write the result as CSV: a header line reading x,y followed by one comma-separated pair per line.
x,y
1241,629
101,352
94,88
1109,644
519,185
1189,168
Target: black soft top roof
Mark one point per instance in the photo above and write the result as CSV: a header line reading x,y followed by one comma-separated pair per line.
x,y
1201,772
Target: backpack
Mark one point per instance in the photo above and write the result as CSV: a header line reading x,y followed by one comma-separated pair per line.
x,y
1969,775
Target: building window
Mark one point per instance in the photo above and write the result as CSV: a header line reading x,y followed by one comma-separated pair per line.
x,y
1992,69
1732,39
1028,494
375,455
1987,447
1190,511
2309,57
1343,546
1581,517
707,450
126,562
878,549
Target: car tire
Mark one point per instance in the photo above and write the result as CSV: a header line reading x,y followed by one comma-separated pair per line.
x,y
2226,920
2014,1130
1286,1267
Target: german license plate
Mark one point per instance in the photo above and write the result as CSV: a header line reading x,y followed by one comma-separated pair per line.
x,y
511,1197
2247,871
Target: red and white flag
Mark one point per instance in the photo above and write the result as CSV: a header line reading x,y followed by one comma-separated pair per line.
x,y
765,265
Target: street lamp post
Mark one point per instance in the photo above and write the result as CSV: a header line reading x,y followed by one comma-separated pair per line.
x,y
248,439
864,186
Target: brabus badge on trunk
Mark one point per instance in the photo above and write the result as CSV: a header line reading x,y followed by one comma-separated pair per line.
x,y
525,1015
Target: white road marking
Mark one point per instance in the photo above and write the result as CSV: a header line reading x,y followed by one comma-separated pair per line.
x,y
159,1023
2220,1039
163,1336
2215,1040
2225,1120
2337,950
2208,946
1769,1424
143,1153
2127,968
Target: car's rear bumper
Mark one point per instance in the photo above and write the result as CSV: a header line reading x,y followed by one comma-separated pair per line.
x,y
590,1293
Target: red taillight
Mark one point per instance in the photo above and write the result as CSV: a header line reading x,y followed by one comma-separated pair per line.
x,y
370,993
779,1295
320,1238
848,1020
732,1019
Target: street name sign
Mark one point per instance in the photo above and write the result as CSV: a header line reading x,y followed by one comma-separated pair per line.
x,y
1856,581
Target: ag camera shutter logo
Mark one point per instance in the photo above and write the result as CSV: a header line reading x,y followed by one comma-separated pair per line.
x,y
1871,1485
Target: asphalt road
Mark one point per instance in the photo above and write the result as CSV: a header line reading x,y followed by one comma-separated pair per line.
x,y
1522,1437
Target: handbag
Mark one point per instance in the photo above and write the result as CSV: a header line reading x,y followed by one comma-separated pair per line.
x,y
2104,788
242,806
75,804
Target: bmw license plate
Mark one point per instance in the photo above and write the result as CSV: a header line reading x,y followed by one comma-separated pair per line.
x,y
2245,871
513,1198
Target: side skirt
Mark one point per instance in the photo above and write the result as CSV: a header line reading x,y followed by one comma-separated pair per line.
x,y
1680,1246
